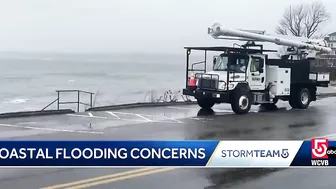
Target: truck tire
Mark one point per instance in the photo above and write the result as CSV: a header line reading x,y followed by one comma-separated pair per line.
x,y
241,101
292,103
275,100
205,103
300,99
303,99
269,106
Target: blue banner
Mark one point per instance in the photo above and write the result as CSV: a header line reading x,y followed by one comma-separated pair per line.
x,y
106,153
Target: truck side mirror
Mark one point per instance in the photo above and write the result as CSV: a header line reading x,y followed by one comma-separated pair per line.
x,y
214,61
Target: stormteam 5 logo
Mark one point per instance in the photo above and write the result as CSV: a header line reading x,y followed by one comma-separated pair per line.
x,y
319,148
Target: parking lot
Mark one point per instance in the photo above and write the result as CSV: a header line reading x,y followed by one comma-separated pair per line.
x,y
171,123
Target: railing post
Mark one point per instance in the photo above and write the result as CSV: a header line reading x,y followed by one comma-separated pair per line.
x,y
58,97
205,61
78,102
187,67
91,100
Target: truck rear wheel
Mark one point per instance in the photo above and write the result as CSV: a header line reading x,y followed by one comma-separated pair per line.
x,y
275,100
292,103
300,99
241,102
270,106
205,103
303,99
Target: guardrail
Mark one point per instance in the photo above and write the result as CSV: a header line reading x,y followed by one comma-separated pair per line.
x,y
78,102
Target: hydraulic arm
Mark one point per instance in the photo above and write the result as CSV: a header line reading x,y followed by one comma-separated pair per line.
x,y
216,31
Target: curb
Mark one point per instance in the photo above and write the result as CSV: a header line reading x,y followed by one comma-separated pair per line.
x,y
140,105
113,107
325,95
158,104
35,113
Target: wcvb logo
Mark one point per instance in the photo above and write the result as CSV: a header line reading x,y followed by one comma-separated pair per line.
x,y
319,148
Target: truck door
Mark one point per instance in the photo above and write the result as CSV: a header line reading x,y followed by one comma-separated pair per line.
x,y
256,76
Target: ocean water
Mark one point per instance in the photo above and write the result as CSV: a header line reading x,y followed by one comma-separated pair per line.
x,y
29,80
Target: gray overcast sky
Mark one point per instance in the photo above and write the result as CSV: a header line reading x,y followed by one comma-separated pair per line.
x,y
131,25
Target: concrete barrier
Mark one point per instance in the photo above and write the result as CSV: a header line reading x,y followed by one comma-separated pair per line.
x,y
140,104
325,95
156,104
113,107
35,113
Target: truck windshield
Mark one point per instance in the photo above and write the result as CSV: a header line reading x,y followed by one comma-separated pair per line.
x,y
221,63
236,63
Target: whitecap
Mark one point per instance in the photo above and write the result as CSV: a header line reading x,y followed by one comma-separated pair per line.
x,y
19,101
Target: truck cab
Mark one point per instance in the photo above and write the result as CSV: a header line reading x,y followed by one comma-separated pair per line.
x,y
233,69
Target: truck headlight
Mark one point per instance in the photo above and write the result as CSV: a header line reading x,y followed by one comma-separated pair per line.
x,y
222,85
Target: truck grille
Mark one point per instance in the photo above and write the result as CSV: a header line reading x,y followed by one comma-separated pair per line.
x,y
208,84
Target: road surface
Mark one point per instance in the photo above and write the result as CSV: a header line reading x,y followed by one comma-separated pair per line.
x,y
177,122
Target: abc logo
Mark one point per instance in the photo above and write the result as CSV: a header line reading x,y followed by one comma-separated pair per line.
x,y
331,152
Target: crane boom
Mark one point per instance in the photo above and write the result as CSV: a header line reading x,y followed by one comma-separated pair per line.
x,y
216,31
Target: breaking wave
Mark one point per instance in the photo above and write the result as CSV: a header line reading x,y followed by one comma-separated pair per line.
x,y
17,101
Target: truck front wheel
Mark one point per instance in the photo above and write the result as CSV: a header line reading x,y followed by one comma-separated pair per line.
x,y
241,102
205,103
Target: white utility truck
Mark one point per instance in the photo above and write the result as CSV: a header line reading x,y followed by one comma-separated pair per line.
x,y
246,75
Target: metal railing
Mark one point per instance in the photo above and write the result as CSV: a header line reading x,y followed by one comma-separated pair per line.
x,y
78,102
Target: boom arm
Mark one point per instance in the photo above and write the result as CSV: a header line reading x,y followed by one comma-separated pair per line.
x,y
217,31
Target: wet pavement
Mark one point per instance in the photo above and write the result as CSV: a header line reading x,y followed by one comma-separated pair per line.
x,y
177,122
